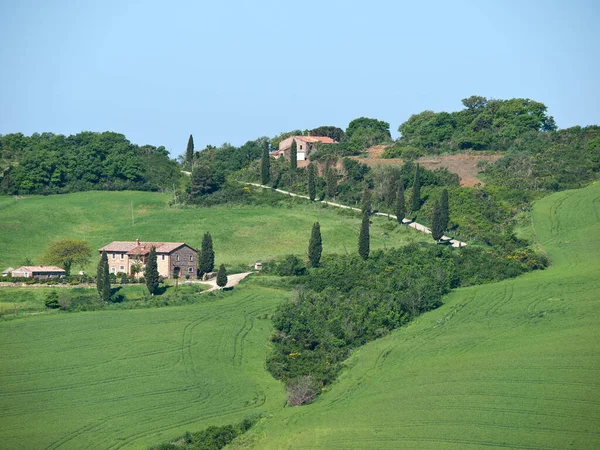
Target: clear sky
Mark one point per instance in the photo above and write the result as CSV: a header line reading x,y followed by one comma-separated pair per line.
x,y
235,70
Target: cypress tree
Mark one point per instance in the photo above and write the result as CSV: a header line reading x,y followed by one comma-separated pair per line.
x,y
416,192
151,272
400,203
206,260
436,225
222,276
312,182
365,201
265,166
106,281
100,273
294,155
189,152
363,237
331,183
315,246
103,278
444,210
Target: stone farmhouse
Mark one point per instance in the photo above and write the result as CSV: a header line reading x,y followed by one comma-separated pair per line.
x,y
173,258
304,145
35,272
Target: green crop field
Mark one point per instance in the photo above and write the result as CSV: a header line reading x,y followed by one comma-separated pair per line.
x,y
241,234
514,364
129,379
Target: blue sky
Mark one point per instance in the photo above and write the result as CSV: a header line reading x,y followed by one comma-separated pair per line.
x,y
233,70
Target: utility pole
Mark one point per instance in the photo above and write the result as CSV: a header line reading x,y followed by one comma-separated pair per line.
x,y
132,220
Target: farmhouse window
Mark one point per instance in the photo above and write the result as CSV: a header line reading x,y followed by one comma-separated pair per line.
x,y
163,257
191,257
122,268
113,269
177,257
113,256
300,146
190,269
122,256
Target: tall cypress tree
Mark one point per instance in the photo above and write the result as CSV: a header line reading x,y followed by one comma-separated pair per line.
x,y
106,281
100,273
151,272
365,201
436,225
315,245
416,192
103,278
294,155
331,183
265,166
189,152
312,182
206,260
364,237
400,203
222,276
444,210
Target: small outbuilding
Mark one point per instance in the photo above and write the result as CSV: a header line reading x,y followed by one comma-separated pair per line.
x,y
38,272
7,272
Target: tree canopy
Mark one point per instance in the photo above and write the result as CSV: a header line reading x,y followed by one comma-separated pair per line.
x,y
66,253
363,133
50,163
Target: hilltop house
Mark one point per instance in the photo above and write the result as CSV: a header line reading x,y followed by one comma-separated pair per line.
x,y
173,258
304,145
35,272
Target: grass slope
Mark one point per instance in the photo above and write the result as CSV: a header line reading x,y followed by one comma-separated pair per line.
x,y
241,234
509,365
128,379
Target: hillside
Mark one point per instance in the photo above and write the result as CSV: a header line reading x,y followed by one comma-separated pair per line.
x,y
239,232
130,379
506,365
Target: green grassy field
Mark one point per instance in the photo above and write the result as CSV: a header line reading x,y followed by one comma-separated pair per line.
x,y
129,379
241,234
514,364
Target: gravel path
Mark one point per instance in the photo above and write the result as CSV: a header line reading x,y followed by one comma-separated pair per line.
x,y
415,225
232,280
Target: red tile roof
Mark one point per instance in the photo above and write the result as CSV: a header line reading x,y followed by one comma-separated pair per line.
x,y
142,248
41,269
312,139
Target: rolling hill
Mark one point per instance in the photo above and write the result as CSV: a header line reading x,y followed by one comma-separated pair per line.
x,y
507,365
241,234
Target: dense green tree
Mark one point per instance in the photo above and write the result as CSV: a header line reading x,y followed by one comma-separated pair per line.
x,y
204,181
416,191
312,181
436,225
67,252
222,276
315,246
294,155
265,167
151,272
400,203
189,152
444,210
364,132
206,259
364,237
332,180
335,133
103,279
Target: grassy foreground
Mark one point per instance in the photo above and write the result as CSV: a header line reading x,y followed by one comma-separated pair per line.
x,y
129,379
241,234
508,365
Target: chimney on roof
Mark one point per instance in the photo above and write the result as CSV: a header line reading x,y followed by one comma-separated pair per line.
x,y
308,133
137,242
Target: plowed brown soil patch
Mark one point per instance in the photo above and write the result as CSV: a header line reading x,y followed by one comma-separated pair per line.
x,y
463,164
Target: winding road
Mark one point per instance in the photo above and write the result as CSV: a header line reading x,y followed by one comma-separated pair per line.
x,y
410,223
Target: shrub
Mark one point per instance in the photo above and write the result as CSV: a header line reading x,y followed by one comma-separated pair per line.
x,y
290,266
52,300
302,390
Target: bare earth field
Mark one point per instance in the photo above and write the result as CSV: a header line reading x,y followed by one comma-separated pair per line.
x,y
464,164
